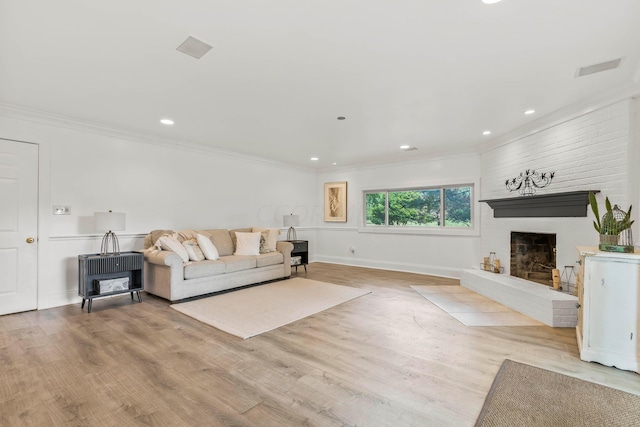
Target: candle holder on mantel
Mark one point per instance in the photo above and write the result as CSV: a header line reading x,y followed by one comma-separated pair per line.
x,y
492,264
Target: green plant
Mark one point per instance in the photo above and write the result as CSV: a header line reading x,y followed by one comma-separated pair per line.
x,y
610,225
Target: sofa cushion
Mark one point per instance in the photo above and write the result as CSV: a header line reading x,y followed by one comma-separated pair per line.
x,y
271,258
205,268
238,262
222,241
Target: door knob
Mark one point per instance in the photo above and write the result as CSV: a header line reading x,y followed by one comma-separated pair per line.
x,y
30,240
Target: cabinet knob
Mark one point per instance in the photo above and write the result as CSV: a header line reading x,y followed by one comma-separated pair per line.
x,y
578,305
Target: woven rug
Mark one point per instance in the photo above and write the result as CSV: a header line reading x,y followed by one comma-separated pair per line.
x,y
253,311
523,395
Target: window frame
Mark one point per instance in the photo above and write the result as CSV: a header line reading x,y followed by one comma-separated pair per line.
x,y
436,230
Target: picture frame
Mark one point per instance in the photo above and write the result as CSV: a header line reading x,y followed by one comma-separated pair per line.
x,y
335,201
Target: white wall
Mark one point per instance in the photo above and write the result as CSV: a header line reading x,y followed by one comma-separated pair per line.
x,y
431,254
156,186
588,152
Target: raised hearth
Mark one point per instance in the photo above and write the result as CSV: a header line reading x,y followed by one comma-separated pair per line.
x,y
550,307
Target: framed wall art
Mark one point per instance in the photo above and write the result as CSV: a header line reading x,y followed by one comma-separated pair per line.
x,y
335,201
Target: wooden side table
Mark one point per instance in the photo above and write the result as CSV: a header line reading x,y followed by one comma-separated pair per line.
x,y
94,268
301,249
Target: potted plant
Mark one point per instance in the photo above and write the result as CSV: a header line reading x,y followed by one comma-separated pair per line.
x,y
614,228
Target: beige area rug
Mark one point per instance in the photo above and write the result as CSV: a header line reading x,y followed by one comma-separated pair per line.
x,y
523,395
249,312
472,309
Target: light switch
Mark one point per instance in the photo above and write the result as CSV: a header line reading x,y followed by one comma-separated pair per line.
x,y
61,210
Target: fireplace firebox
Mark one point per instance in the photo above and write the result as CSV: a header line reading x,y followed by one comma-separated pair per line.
x,y
533,256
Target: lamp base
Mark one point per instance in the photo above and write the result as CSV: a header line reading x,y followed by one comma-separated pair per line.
x,y
108,239
291,234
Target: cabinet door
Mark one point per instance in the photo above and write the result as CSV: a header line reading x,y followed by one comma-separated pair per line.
x,y
613,304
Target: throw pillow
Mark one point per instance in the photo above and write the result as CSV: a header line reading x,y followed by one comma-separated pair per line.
x,y
194,251
168,243
208,248
264,243
271,237
247,244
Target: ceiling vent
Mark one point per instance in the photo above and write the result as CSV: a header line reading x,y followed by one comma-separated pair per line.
x,y
596,68
194,47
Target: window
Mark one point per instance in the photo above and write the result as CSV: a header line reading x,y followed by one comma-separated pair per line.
x,y
427,208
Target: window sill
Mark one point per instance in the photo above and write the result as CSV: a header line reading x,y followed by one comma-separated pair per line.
x,y
471,232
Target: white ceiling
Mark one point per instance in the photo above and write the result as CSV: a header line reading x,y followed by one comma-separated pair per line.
x,y
433,74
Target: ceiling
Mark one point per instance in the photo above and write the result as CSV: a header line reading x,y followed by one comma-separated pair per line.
x,y
431,74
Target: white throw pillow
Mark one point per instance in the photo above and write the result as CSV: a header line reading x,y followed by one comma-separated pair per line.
x,y
208,248
194,251
247,244
270,236
168,243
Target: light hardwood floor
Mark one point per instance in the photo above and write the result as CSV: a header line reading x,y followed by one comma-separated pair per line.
x,y
389,358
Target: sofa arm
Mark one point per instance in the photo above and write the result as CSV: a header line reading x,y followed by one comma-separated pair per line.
x,y
284,247
167,258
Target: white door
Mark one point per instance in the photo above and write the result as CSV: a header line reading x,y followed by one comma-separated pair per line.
x,y
18,226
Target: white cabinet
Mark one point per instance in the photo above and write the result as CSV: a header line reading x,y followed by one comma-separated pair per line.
x,y
610,317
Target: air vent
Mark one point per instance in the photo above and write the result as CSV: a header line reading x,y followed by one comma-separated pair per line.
x,y
194,47
596,68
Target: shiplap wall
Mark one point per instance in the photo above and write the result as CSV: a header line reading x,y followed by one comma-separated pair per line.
x,y
589,152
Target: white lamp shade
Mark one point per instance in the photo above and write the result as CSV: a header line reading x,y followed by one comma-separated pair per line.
x,y
109,221
291,220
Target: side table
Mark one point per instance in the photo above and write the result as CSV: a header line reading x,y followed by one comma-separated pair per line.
x,y
94,269
300,249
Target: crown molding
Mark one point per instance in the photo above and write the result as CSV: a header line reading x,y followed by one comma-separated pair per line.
x,y
58,120
563,115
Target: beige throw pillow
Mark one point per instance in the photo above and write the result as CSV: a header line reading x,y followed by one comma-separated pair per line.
x,y
168,243
270,236
247,244
208,248
194,251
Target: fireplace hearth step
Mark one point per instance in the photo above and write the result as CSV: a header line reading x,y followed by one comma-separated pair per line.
x,y
550,307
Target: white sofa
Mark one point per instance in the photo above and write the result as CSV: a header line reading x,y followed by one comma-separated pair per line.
x,y
168,276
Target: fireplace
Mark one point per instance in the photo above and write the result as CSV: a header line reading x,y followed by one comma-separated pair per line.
x,y
533,256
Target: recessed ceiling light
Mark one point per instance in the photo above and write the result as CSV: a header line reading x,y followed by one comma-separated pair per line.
x,y
341,117
167,122
405,147
528,112
486,132
315,159
490,1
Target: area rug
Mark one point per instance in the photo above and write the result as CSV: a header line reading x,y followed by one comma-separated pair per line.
x,y
523,395
472,309
249,312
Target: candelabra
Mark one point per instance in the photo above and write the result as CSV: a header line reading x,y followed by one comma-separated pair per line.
x,y
527,182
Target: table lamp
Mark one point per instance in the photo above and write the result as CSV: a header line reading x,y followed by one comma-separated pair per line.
x,y
109,221
291,221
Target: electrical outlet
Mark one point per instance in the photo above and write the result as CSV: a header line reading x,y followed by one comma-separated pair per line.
x,y
61,210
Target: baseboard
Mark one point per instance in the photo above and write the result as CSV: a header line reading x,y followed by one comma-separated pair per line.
x,y
432,270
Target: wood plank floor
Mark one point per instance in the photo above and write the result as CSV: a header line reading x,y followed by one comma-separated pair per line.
x,y
389,358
